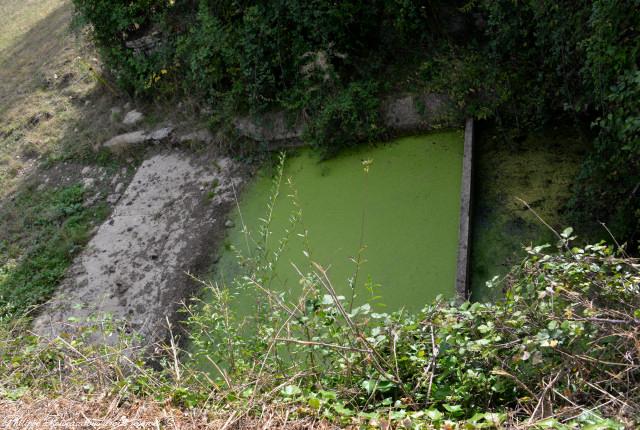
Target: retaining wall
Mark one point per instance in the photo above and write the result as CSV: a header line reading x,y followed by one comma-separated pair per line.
x,y
464,232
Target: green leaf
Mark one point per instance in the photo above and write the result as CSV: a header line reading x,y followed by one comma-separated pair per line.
x,y
483,328
434,414
604,425
290,391
477,417
384,386
327,395
454,409
340,409
327,299
549,423
369,385
314,403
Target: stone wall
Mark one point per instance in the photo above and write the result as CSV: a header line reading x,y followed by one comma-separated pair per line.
x,y
403,113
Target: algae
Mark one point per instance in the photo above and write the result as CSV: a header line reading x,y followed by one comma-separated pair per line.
x,y
540,170
405,211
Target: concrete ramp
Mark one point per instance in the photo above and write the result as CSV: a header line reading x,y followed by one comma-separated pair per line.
x,y
166,223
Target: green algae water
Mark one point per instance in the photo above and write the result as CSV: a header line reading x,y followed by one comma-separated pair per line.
x,y
404,211
540,170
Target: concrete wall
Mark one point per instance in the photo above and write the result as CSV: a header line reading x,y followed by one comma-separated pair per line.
x,y
464,232
400,113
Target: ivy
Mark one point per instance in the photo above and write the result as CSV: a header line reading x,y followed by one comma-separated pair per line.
x,y
523,64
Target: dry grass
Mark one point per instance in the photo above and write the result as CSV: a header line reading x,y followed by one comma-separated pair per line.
x,y
19,16
44,86
111,413
55,99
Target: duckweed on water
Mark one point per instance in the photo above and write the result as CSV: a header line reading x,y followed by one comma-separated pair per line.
x,y
398,203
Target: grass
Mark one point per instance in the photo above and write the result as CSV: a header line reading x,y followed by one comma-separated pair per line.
x,y
44,230
43,88
55,111
43,106
19,16
55,97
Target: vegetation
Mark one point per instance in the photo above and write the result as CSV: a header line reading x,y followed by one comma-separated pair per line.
x,y
579,60
558,350
520,64
51,114
45,229
313,57
531,353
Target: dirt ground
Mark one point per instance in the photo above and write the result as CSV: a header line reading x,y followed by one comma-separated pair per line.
x,y
57,108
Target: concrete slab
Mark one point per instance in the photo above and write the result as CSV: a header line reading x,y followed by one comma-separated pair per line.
x,y
401,113
165,224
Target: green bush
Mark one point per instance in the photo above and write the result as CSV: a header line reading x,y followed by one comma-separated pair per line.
x,y
116,22
205,54
259,54
564,336
350,117
577,61
522,63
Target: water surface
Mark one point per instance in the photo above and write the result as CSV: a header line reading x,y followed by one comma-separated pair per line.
x,y
405,211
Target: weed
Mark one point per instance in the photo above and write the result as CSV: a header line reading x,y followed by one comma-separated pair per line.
x,y
475,363
529,359
46,229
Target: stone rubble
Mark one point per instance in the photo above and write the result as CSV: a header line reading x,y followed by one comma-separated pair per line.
x,y
132,117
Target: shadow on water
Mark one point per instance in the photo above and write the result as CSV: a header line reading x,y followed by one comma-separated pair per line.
x,y
539,169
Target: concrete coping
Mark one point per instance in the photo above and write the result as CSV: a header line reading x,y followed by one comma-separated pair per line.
x,y
462,272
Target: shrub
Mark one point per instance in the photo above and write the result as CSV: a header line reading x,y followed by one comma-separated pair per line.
x,y
260,55
563,338
523,63
116,22
349,117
